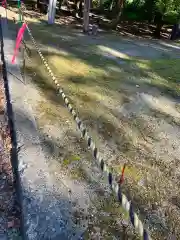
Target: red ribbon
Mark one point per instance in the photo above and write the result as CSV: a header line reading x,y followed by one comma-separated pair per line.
x,y
122,175
18,41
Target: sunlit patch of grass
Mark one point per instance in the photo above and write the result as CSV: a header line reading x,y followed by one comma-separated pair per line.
x,y
89,89
164,73
178,42
130,172
144,65
167,68
69,67
113,52
70,159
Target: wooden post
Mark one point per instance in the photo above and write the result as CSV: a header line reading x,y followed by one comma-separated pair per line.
x,y
86,16
51,11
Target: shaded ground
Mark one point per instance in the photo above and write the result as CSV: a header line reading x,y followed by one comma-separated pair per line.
x,y
127,93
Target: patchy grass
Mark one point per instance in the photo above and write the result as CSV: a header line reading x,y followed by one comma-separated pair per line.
x,y
130,172
103,90
70,159
165,74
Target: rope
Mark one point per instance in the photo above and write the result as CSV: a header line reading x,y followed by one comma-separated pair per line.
x,y
116,187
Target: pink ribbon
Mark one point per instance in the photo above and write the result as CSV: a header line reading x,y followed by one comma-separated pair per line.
x,y
4,3
18,41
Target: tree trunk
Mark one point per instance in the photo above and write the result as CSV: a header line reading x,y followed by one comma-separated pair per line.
x,y
150,10
100,3
111,6
86,16
79,8
43,6
38,4
60,4
175,32
159,25
158,30
80,12
120,5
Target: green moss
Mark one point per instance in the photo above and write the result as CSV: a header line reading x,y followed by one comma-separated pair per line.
x,y
66,162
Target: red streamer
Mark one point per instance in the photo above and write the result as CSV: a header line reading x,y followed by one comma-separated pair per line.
x,y
122,175
18,41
